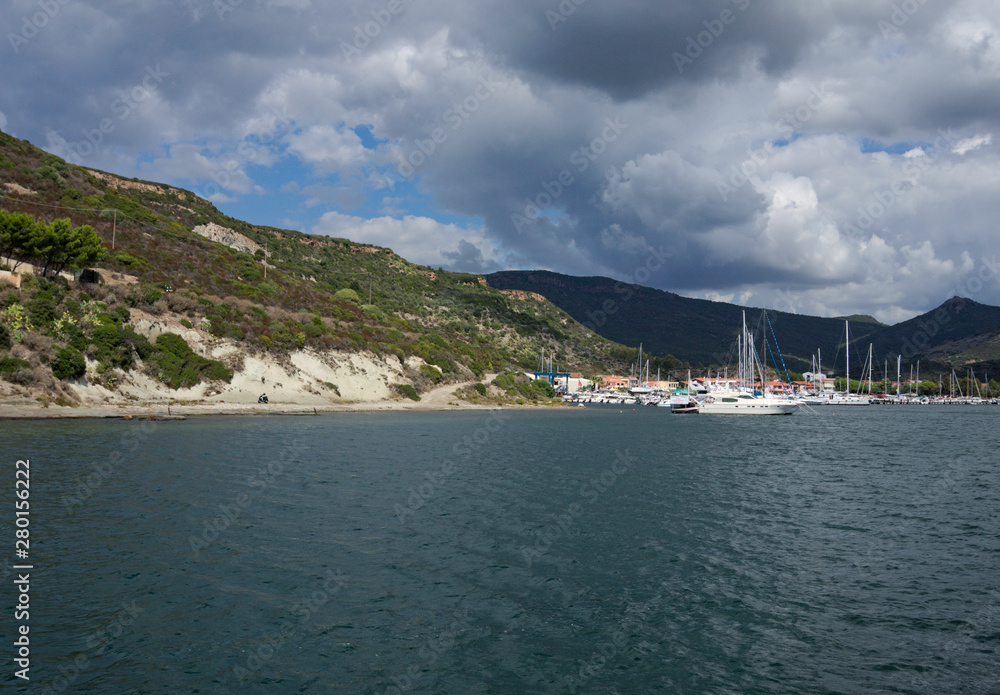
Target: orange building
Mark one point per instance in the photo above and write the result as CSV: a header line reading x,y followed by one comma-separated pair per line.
x,y
615,382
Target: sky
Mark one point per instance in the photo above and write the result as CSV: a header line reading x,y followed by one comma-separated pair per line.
x,y
827,157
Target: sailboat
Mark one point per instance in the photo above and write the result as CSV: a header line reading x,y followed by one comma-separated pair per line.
x,y
743,400
682,402
641,388
848,398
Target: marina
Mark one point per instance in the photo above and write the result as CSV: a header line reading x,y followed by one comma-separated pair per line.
x,y
752,392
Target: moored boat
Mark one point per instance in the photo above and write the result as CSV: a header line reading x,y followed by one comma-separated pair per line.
x,y
744,401
740,403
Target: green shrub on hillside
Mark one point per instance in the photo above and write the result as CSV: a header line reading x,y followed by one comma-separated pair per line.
x,y
116,346
42,309
9,365
176,364
143,297
347,295
373,312
505,381
539,388
408,391
431,373
14,318
129,261
69,364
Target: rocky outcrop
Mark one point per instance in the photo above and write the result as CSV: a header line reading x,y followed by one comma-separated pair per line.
x,y
18,189
522,295
227,237
119,182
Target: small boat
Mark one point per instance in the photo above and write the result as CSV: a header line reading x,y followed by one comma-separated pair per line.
x,y
815,400
683,405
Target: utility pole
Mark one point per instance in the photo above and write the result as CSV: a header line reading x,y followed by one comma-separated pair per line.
x,y
370,281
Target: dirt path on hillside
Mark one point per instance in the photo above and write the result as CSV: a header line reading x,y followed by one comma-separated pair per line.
x,y
444,398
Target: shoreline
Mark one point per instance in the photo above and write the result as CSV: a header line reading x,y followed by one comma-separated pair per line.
x,y
441,399
183,412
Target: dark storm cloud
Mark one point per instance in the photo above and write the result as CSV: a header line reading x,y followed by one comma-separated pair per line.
x,y
629,49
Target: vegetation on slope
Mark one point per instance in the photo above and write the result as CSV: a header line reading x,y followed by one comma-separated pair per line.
x,y
49,330
296,291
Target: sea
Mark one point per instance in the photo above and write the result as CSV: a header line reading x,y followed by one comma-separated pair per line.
x,y
606,549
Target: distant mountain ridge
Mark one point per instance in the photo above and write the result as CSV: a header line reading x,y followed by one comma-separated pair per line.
x,y
959,333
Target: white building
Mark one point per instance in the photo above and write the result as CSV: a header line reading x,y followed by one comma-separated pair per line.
x,y
820,381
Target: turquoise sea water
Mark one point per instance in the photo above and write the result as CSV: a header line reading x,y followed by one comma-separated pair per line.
x,y
598,550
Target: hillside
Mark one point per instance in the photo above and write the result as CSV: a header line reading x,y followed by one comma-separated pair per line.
x,y
694,330
240,292
960,334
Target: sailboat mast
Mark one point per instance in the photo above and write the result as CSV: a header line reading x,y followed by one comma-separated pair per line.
x,y
871,367
739,365
847,353
748,368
